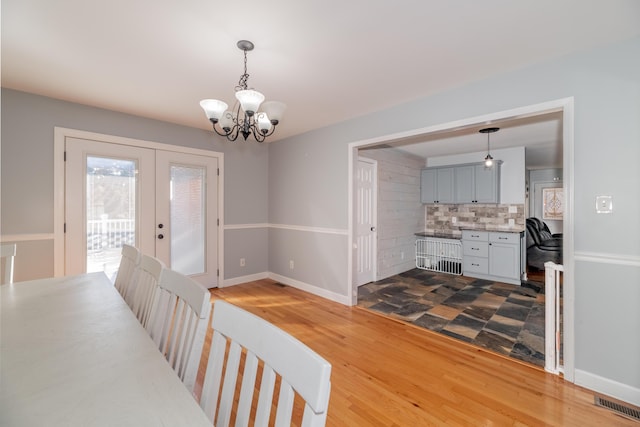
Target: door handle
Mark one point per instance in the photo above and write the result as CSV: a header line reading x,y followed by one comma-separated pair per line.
x,y
373,229
160,236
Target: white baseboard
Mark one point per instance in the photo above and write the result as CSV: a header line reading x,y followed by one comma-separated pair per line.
x,y
332,296
244,279
608,387
342,299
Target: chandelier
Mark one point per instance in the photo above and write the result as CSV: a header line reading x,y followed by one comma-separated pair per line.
x,y
488,161
244,119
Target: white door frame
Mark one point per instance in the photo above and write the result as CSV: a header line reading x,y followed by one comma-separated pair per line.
x,y
564,105
60,135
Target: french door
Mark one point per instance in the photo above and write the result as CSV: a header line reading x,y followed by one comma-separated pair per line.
x,y
163,202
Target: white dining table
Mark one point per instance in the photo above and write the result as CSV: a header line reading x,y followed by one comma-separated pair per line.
x,y
73,354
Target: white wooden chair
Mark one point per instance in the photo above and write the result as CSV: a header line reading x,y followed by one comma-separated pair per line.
x,y
179,324
8,253
299,368
127,273
146,289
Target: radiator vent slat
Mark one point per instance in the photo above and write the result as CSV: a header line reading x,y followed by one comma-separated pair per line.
x,y
624,410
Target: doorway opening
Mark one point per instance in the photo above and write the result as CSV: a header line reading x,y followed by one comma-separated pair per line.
x,y
563,107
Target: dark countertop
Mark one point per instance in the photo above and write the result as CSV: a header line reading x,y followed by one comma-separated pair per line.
x,y
443,234
457,234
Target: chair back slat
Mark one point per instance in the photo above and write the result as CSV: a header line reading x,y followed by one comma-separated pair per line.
x,y
249,375
146,294
8,254
180,322
285,405
299,369
267,387
127,272
213,377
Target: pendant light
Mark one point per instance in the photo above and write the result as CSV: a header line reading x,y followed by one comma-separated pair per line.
x,y
488,161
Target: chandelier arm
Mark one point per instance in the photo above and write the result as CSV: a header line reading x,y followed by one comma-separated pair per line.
x,y
258,136
232,135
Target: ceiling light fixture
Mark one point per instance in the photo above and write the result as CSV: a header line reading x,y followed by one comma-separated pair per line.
x,y
245,118
488,161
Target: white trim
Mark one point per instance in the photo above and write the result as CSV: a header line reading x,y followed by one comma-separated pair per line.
x,y
244,279
245,226
114,139
60,135
342,299
339,231
604,258
608,387
26,237
564,105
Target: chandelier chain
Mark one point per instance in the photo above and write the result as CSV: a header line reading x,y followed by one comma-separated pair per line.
x,y
242,83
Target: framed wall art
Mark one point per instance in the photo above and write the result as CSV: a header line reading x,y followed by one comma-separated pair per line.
x,y
552,203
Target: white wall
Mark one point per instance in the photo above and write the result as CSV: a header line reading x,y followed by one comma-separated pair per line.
x,y
400,213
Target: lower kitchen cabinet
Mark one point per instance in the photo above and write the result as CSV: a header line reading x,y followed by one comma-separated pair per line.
x,y
493,255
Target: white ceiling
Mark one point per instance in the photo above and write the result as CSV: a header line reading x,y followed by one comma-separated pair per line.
x,y
328,60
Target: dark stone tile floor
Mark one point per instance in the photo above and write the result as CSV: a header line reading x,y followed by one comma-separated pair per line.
x,y
500,317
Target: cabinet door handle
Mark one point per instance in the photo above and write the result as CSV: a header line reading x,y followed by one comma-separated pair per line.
x,y
475,265
475,249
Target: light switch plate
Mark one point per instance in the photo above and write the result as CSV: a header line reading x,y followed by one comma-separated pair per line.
x,y
604,204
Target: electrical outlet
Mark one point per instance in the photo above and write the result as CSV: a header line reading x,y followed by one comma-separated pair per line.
x,y
454,220
242,262
513,209
512,222
291,265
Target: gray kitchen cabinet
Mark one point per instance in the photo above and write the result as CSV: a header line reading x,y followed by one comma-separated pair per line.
x,y
493,255
468,183
437,185
475,183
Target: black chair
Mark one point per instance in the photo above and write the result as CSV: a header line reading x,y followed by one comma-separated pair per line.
x,y
542,246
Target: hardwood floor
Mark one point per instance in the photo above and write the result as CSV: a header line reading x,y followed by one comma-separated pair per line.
x,y
389,373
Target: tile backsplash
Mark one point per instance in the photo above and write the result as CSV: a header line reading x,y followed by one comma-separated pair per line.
x,y
474,216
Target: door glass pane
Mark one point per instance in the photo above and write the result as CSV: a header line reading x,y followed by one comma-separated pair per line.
x,y
111,211
188,214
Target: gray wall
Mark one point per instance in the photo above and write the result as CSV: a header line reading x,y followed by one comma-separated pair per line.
x,y
310,173
302,186
28,123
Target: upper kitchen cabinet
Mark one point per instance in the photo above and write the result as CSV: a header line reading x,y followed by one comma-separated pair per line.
x,y
469,183
437,185
476,183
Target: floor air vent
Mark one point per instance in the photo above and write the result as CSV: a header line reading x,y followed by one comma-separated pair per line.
x,y
623,410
